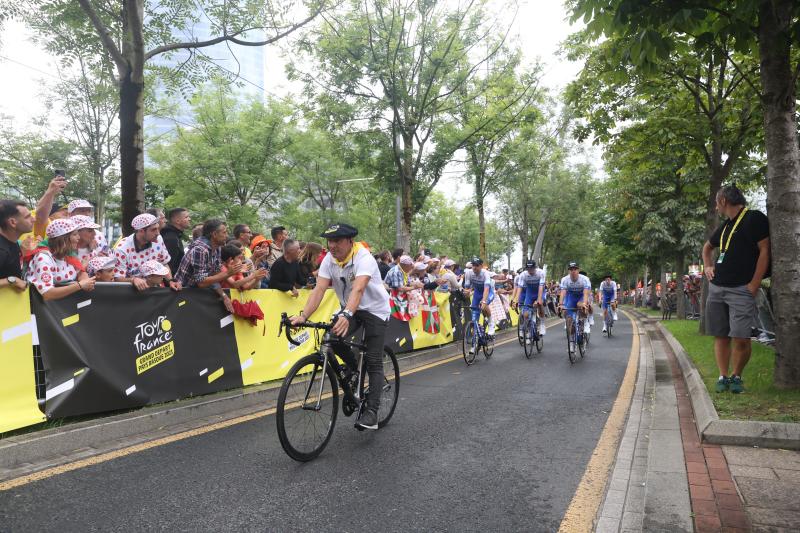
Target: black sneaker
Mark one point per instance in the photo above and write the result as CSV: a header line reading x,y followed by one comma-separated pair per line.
x,y
367,420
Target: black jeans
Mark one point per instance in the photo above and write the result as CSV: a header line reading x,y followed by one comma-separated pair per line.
x,y
374,334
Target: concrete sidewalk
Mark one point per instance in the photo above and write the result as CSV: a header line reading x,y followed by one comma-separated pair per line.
x,y
666,479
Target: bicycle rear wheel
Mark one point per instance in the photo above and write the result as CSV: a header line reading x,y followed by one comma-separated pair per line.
x,y
390,389
584,339
307,407
469,342
488,344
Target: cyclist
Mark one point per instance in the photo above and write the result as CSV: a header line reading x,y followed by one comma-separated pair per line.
x,y
480,282
575,289
530,290
353,273
608,293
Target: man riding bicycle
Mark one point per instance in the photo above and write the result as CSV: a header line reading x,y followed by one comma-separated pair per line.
x,y
530,290
354,275
480,282
575,289
608,292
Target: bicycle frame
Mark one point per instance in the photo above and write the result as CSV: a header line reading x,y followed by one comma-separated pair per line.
x,y
533,313
475,316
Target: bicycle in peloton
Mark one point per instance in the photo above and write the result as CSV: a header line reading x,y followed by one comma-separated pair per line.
x,y
531,326
608,319
576,337
308,401
476,338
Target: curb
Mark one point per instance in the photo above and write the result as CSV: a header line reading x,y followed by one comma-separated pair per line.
x,y
734,432
63,444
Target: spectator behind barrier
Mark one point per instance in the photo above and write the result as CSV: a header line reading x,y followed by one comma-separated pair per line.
x,y
309,262
15,220
140,246
197,231
154,273
178,221
52,266
233,259
242,233
279,234
91,242
102,268
202,264
159,214
285,274
399,276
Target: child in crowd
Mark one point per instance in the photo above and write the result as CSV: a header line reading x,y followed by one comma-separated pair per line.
x,y
102,268
154,273
232,261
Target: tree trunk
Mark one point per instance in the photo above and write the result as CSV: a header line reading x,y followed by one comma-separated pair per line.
x,y
481,228
407,214
131,150
537,247
680,309
523,233
783,183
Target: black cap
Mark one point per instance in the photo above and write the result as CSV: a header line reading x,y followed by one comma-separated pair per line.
x,y
607,275
530,263
572,264
56,208
338,231
476,261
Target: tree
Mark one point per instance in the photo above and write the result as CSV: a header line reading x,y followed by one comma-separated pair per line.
x,y
773,28
233,162
399,71
130,33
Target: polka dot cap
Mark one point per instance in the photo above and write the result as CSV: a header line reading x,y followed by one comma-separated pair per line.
x,y
153,268
100,263
84,222
143,220
78,204
60,227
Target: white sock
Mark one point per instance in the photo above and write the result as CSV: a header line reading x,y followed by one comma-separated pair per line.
x,y
543,328
491,326
587,328
615,315
591,320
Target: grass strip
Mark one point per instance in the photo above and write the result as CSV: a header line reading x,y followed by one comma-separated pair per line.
x,y
761,399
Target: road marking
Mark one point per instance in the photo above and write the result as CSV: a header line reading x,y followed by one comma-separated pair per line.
x,y
588,496
123,452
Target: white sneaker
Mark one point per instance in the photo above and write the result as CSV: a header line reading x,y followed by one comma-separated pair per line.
x,y
471,350
543,328
572,347
490,329
587,328
615,316
605,329
591,320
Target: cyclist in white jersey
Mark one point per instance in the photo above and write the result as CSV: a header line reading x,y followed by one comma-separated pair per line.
x,y
480,282
608,294
575,289
529,290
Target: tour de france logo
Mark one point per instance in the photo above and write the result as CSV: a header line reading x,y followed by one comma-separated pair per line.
x,y
153,343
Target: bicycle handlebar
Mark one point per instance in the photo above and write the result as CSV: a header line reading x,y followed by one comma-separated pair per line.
x,y
285,322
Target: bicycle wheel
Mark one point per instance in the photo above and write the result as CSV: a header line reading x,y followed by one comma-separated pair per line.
x,y
307,408
521,330
571,343
539,337
488,345
584,341
527,332
390,391
469,342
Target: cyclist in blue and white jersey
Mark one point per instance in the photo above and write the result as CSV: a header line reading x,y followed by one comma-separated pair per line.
x,y
608,293
480,282
575,289
530,290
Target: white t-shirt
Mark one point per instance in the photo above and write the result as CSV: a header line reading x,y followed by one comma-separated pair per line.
x,y
129,261
375,299
45,271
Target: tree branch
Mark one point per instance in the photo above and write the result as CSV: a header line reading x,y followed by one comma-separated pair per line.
x,y
105,37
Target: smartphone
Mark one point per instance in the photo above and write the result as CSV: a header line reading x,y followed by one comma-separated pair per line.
x,y
428,252
60,173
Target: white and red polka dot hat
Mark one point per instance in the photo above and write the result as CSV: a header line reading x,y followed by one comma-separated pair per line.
x,y
153,268
98,263
142,221
84,222
60,227
78,204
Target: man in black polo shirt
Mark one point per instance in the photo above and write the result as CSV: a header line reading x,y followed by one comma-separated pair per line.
x,y
735,277
15,220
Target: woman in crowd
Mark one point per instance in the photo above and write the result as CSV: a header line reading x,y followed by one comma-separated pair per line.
x,y
90,243
52,267
309,261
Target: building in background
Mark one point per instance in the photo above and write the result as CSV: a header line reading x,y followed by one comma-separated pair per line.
x,y
243,63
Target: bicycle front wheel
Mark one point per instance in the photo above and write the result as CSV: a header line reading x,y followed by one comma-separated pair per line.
x,y
307,407
469,344
571,338
521,329
390,388
528,344
539,337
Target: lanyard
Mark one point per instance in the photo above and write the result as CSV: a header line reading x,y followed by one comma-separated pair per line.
x,y
722,236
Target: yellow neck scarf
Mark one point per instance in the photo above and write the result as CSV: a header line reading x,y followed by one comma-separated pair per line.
x,y
356,247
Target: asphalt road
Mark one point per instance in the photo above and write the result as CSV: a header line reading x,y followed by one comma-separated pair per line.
x,y
498,446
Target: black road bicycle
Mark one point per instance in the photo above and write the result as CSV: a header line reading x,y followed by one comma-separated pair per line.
x,y
309,398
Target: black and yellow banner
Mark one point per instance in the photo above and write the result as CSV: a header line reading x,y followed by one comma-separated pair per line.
x,y
116,348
